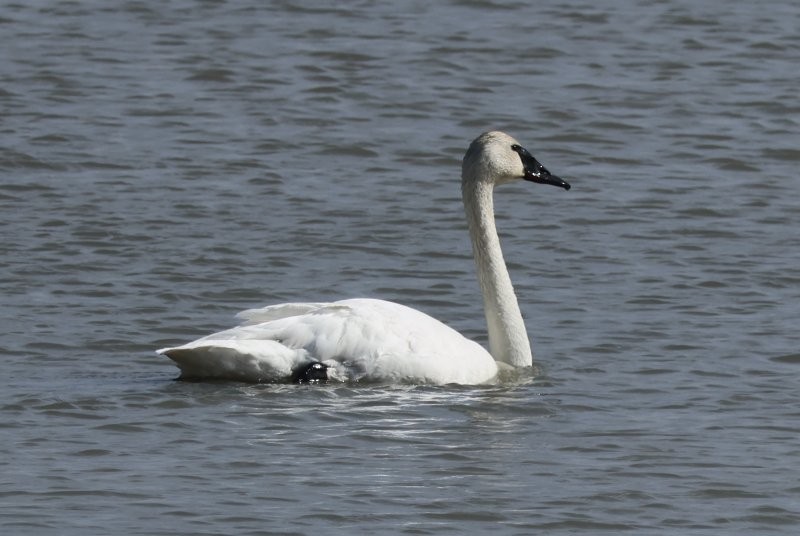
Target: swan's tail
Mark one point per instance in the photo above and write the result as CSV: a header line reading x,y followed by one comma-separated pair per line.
x,y
240,360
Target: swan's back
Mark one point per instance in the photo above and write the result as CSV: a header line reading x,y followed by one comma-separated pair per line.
x,y
359,339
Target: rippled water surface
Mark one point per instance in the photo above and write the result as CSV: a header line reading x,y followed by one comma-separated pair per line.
x,y
164,165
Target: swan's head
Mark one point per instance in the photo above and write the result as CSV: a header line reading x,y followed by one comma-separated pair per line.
x,y
497,158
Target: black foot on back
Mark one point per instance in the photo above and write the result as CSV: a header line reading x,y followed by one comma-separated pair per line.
x,y
315,372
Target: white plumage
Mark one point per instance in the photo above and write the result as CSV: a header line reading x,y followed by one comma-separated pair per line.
x,y
358,338
368,339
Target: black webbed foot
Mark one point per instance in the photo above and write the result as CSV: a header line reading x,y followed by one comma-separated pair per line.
x,y
315,372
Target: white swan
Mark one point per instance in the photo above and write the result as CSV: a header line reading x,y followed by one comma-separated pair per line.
x,y
381,340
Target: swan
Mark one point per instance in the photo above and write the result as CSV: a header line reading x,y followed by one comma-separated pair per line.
x,y
377,340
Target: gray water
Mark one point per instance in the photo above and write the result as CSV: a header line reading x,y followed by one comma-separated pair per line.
x,y
167,164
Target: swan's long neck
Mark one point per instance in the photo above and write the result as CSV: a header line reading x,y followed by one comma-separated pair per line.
x,y
508,339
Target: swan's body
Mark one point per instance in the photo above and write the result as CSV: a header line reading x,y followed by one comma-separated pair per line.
x,y
381,340
359,338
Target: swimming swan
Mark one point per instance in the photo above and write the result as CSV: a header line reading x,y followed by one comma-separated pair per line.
x,y
368,339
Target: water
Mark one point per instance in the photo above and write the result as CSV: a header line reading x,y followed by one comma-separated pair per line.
x,y
166,164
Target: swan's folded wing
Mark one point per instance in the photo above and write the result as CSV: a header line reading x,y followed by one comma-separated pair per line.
x,y
275,312
269,345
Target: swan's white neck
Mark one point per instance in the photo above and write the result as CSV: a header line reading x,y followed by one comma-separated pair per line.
x,y
508,339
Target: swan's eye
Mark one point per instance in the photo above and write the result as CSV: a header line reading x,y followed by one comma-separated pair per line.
x,y
520,150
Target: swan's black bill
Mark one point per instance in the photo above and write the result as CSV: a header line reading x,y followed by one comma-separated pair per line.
x,y
315,372
536,172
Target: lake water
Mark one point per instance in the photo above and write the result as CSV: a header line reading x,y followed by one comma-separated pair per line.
x,y
167,164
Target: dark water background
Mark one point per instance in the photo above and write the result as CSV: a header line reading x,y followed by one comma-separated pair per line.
x,y
164,165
